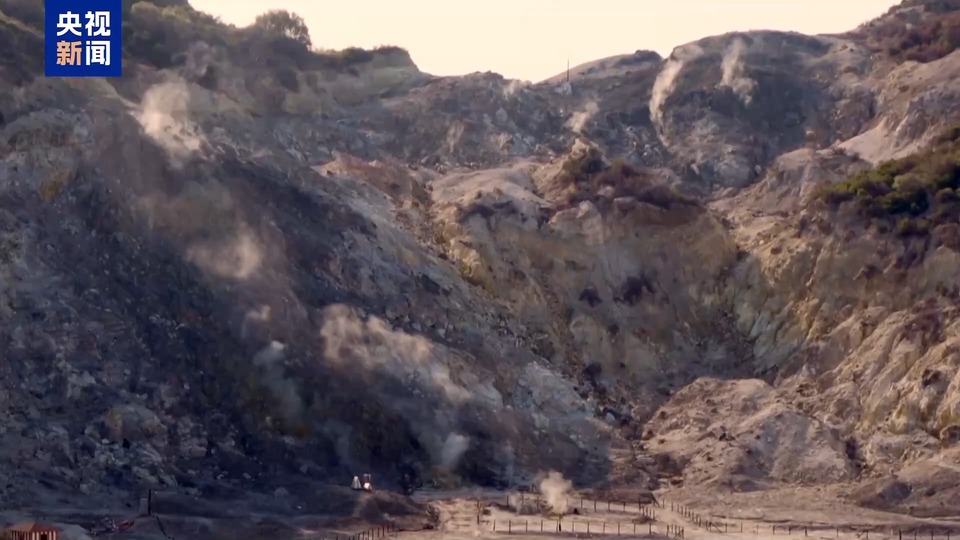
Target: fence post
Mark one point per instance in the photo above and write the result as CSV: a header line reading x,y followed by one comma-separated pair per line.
x,y
603,527
509,527
541,525
526,526
618,528
594,505
804,530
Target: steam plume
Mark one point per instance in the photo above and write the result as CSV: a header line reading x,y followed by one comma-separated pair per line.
x,y
428,394
164,115
554,488
733,72
667,77
453,449
579,119
513,87
272,376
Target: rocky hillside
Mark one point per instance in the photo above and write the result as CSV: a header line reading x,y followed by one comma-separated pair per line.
x,y
249,265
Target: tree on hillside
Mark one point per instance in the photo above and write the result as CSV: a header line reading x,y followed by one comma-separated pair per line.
x,y
284,23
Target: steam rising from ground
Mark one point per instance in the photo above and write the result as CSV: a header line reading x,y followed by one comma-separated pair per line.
x,y
453,449
272,376
555,488
197,60
733,72
203,219
579,119
667,77
164,115
513,87
404,372
238,258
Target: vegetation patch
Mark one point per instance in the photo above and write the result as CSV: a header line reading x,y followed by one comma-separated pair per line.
x,y
930,39
914,194
590,178
160,32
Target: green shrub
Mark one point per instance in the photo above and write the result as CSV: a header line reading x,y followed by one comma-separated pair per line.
x,y
926,41
287,77
923,184
160,32
589,177
160,36
280,22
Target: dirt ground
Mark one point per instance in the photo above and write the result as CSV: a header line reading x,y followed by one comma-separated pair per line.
x,y
812,513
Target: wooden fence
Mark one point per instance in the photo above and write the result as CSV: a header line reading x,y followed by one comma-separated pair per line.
x,y
381,531
916,533
593,527
518,500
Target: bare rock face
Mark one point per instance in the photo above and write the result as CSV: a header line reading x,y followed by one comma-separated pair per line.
x,y
225,272
743,430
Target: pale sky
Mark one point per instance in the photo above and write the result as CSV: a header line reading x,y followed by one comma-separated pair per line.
x,y
532,39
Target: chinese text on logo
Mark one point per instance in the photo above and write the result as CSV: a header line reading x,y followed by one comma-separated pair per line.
x,y
83,38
